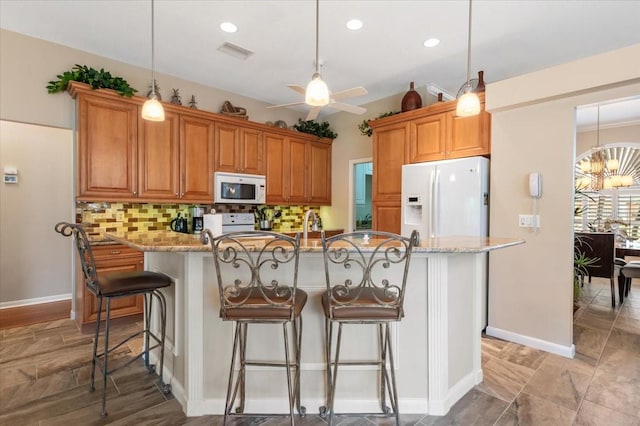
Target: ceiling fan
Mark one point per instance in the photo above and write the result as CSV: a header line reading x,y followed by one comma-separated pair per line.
x,y
317,94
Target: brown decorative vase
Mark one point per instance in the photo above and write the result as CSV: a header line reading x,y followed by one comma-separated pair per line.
x,y
411,100
480,86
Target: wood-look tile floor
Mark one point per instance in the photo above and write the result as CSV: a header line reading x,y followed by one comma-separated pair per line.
x,y
44,374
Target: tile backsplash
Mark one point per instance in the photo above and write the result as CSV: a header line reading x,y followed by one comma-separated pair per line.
x,y
120,218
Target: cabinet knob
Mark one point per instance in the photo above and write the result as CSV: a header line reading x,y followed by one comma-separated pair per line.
x,y
181,194
135,193
177,195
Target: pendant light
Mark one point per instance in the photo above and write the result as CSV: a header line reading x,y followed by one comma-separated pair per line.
x,y
317,93
152,109
469,103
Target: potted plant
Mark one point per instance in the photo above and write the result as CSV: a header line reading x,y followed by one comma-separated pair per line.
x,y
581,263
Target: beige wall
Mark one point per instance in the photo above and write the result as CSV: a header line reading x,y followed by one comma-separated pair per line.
x,y
533,122
27,64
35,262
623,134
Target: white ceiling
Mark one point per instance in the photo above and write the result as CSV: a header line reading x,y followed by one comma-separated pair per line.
x,y
509,38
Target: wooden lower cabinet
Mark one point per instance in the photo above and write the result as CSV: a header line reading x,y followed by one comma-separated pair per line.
x,y
109,259
387,217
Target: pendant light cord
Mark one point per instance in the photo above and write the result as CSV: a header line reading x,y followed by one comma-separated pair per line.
x,y
153,62
317,34
598,128
469,51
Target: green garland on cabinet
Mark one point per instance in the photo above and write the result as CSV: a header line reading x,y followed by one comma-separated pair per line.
x,y
321,130
96,79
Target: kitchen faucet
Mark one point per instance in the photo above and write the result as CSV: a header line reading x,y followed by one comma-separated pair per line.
x,y
314,223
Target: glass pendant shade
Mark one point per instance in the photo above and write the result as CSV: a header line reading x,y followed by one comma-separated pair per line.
x,y
317,93
152,109
627,180
468,105
613,164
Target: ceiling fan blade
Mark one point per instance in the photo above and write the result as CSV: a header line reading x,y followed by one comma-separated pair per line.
x,y
297,88
350,93
285,105
313,113
347,108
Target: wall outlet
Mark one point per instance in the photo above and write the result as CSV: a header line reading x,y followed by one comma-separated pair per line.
x,y
529,221
119,216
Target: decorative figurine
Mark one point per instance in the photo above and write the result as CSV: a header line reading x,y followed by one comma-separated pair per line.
x,y
192,103
157,89
175,97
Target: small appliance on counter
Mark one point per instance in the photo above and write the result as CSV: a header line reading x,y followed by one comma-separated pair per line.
x,y
179,224
213,222
197,214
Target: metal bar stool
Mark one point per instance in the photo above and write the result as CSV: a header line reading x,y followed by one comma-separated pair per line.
x,y
120,285
366,276
250,267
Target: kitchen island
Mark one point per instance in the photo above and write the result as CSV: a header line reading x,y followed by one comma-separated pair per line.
x,y
436,345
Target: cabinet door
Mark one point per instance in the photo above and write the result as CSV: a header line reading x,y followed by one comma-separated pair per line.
x,y
319,175
468,136
227,149
251,152
428,138
389,145
112,259
107,148
196,159
159,161
276,168
297,179
386,217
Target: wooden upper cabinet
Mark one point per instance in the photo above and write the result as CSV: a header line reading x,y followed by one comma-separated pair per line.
x,y
469,136
107,148
276,168
389,146
159,161
297,166
251,149
238,150
387,217
319,175
298,171
428,138
196,159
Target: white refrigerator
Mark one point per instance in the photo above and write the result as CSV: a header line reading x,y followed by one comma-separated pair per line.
x,y
448,198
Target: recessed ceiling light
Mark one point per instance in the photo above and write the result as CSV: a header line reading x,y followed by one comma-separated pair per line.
x,y
354,24
228,27
431,42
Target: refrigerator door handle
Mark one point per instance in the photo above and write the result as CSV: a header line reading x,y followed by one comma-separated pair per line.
x,y
433,204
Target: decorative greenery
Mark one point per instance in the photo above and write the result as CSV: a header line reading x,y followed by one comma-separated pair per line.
x,y
580,264
364,128
321,130
96,79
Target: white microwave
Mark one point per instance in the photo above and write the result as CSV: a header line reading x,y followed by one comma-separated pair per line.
x,y
239,188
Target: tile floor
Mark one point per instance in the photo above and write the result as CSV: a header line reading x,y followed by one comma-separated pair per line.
x,y
44,375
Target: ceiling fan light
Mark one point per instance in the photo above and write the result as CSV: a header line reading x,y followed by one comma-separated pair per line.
x,y
585,166
152,109
468,105
317,93
627,180
612,164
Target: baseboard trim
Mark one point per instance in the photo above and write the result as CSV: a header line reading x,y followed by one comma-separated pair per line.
x,y
554,348
34,313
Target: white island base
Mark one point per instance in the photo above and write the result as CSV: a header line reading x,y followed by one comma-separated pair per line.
x,y
436,345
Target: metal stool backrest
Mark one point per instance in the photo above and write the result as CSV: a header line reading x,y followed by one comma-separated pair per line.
x,y
84,252
244,261
373,272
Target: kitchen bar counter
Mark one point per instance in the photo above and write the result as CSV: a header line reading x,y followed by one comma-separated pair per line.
x,y
436,345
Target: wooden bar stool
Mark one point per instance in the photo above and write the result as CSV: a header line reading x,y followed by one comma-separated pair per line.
x,y
366,276
255,289
113,286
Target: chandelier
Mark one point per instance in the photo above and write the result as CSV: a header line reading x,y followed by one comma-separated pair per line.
x,y
601,172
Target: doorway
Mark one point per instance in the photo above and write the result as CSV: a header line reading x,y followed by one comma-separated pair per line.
x,y
361,180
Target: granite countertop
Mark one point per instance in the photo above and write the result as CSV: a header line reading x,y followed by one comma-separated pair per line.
x,y
178,242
